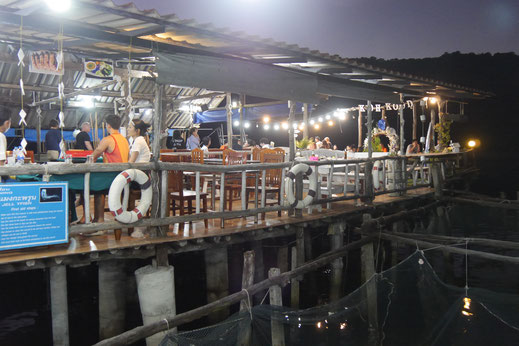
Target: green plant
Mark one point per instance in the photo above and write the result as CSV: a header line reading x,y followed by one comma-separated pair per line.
x,y
443,129
303,143
375,144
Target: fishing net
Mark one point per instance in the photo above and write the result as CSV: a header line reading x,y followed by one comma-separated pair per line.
x,y
405,305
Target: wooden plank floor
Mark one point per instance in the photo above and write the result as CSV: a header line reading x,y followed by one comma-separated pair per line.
x,y
88,244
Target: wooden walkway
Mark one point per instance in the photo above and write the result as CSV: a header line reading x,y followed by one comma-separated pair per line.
x,y
91,245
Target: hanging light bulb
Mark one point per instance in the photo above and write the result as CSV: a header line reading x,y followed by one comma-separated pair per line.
x,y
301,126
317,126
276,127
320,119
266,119
328,117
312,122
330,123
236,123
285,125
266,127
294,126
246,124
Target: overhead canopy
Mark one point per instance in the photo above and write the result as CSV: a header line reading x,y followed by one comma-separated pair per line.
x,y
256,79
251,113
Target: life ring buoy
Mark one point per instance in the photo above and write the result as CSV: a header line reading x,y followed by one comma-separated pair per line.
x,y
289,190
114,195
375,173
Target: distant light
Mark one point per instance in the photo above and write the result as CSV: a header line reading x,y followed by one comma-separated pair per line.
x,y
342,116
285,125
234,104
312,122
276,127
294,126
246,124
425,99
433,100
236,123
336,114
330,123
301,126
328,117
266,127
87,101
148,112
343,325
266,119
58,5
317,126
472,143
320,119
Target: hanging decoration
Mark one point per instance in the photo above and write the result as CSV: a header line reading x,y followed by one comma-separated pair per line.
x,y
46,62
98,69
61,93
129,98
390,133
22,113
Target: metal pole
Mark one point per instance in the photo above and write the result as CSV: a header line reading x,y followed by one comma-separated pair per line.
x,y
305,120
291,139
370,128
402,122
228,107
242,131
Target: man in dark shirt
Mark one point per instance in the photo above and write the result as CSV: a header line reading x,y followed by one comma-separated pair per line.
x,y
83,140
52,139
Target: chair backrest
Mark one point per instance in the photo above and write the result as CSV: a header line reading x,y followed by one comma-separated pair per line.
x,y
279,150
272,176
232,157
175,178
256,152
197,156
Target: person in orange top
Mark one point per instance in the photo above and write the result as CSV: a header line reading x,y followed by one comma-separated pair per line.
x,y
115,149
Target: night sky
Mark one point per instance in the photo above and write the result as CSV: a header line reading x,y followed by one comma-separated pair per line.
x,y
364,28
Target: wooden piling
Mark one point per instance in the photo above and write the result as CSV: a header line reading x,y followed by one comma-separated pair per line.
x,y
367,272
244,334
336,233
112,300
437,180
217,280
59,305
259,268
282,259
294,283
276,326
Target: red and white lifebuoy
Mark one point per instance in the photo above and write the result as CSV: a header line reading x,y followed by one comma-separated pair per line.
x,y
378,178
116,189
289,186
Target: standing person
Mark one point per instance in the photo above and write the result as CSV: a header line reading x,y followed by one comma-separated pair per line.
x,y
327,144
413,148
264,143
5,124
115,149
83,141
193,141
139,149
52,139
206,143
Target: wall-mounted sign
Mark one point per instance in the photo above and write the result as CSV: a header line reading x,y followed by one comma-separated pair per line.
x,y
387,106
33,214
98,69
46,62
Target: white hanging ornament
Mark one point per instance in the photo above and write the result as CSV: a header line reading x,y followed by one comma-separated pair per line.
x,y
22,117
21,55
21,87
23,143
38,111
62,148
61,118
61,90
59,59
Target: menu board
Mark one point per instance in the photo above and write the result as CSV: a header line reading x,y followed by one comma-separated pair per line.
x,y
33,214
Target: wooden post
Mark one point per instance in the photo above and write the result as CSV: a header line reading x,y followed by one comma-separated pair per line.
x,y
402,123
368,182
277,329
360,130
305,120
437,180
242,131
59,305
38,136
369,125
294,283
367,272
299,193
415,120
217,278
291,139
433,122
228,107
336,232
244,334
155,146
282,259
86,197
112,301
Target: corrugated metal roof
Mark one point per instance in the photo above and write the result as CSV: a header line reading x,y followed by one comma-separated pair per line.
x,y
100,28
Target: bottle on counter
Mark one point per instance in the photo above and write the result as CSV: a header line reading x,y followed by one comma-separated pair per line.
x,y
20,157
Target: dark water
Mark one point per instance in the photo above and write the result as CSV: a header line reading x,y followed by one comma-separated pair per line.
x,y
25,317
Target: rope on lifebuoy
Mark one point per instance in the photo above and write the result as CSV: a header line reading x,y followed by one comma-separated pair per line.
x,y
114,196
289,189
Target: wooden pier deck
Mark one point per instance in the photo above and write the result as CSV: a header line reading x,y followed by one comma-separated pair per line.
x,y
85,249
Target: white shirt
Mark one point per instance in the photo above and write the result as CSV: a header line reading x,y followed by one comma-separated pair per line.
x,y
205,149
3,147
139,145
265,146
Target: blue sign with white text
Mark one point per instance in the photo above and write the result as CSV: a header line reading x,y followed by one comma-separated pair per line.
x,y
33,214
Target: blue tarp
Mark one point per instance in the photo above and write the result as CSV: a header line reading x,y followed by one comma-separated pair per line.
x,y
31,134
253,113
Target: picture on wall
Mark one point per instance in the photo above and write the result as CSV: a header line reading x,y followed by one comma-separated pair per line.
x,y
45,62
98,69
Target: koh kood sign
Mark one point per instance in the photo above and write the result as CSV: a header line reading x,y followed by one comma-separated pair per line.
x,y
33,214
387,106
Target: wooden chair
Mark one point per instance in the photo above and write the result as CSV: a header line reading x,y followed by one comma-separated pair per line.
x,y
272,178
233,181
256,153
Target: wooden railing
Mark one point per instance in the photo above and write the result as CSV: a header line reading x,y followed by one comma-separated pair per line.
x,y
357,178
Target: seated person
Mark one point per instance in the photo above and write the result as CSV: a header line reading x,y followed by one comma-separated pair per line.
x,y
413,148
115,149
206,143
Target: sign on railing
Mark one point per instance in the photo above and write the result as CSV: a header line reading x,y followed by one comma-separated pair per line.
x,y
33,215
